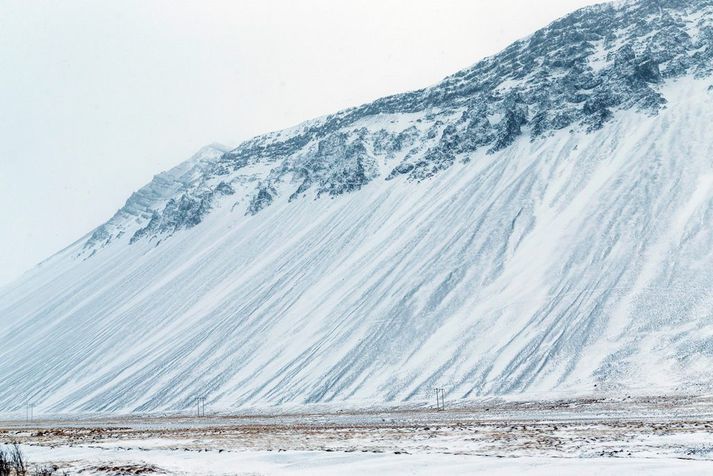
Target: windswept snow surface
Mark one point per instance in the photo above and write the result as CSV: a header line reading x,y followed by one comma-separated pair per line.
x,y
254,463
336,270
664,435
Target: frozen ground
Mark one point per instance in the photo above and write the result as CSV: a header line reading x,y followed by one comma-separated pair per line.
x,y
587,436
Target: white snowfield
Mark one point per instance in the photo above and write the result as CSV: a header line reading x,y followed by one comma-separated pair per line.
x,y
255,463
651,436
578,263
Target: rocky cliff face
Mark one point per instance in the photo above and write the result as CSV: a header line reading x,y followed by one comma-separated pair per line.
x,y
540,222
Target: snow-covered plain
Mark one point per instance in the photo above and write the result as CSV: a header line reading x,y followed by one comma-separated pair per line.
x,y
255,463
606,436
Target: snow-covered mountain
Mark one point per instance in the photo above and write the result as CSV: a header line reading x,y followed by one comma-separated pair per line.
x,y
540,222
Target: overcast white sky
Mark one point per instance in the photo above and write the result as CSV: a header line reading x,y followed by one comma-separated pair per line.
x,y
98,96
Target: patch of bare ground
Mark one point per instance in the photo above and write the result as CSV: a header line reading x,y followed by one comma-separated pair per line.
x,y
124,470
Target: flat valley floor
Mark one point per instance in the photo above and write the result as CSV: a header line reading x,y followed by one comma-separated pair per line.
x,y
625,435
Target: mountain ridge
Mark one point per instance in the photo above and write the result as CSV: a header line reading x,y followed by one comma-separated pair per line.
x,y
496,99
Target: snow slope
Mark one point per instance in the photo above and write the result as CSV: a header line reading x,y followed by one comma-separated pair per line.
x,y
495,234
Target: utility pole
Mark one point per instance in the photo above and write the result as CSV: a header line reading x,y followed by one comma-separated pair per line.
x,y
440,399
200,406
30,411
